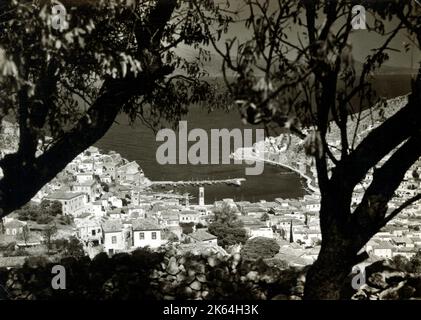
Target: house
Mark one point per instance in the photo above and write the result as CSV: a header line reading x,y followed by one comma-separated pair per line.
x,y
307,236
136,212
130,172
312,205
96,208
108,168
115,202
84,176
403,242
14,227
256,228
261,231
116,236
383,250
106,178
201,236
89,230
87,165
170,218
73,203
146,233
88,187
187,216
93,151
405,252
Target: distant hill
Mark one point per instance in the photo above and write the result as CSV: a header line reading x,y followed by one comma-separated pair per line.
x,y
386,69
213,67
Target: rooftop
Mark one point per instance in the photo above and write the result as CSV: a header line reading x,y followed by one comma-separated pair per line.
x,y
145,224
63,195
87,183
112,226
202,235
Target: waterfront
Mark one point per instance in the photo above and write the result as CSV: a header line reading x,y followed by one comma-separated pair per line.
x,y
137,142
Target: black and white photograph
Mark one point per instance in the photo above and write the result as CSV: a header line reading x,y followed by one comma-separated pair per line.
x,y
234,151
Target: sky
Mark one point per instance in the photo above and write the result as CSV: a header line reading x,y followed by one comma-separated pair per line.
x,y
363,41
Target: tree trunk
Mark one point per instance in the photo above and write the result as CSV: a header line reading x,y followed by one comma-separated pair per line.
x,y
325,278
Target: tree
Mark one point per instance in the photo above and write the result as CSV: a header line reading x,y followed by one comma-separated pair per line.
x,y
71,247
28,212
416,263
105,187
291,233
56,208
227,227
50,208
25,235
65,85
170,236
402,263
260,247
47,233
44,218
187,227
310,86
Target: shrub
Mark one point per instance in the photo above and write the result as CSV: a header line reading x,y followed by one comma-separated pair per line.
x,y
260,247
187,227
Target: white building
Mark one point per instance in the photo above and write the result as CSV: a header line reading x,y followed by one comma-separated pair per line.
x,y
146,233
84,176
88,187
201,196
113,237
73,203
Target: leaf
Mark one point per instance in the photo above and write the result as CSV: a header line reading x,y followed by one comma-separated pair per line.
x,y
123,65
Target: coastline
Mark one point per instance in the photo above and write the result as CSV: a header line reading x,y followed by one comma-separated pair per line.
x,y
309,180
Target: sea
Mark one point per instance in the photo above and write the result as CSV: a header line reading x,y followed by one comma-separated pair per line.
x,y
137,142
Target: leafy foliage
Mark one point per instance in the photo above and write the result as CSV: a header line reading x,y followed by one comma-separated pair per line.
x,y
43,213
71,247
57,83
187,227
227,228
260,248
294,73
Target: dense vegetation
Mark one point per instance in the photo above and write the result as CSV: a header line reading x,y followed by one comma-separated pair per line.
x,y
260,247
227,228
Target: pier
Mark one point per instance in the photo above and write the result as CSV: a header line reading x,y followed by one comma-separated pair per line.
x,y
234,182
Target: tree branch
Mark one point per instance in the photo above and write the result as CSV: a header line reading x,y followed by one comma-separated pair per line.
x,y
386,137
403,206
370,214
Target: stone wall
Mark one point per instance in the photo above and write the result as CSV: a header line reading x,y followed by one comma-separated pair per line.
x,y
155,275
146,275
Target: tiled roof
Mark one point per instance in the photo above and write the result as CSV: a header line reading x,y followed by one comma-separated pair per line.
x,y
202,235
87,183
188,212
383,245
144,224
112,226
63,195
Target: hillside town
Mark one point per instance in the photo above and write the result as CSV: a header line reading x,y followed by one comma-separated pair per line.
x,y
112,208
